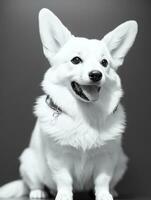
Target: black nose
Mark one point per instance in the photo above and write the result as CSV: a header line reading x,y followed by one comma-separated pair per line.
x,y
95,75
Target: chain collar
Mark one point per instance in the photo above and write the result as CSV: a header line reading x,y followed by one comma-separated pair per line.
x,y
52,105
57,109
115,109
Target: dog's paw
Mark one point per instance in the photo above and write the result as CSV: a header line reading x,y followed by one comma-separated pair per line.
x,y
38,194
104,195
63,196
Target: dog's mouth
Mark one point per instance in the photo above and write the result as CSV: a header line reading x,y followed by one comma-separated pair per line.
x,y
86,93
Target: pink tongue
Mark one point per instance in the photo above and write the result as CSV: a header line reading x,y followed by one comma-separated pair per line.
x,y
91,91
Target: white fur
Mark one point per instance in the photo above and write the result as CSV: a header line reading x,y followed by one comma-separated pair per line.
x,y
81,148
38,194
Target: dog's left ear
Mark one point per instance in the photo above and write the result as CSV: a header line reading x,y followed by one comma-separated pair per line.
x,y
52,32
120,40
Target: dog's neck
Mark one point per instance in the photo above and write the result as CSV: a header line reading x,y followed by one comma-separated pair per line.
x,y
63,99
58,110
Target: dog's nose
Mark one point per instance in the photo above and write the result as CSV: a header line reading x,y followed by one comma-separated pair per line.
x,y
95,75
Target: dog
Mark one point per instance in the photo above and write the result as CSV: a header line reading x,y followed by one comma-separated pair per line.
x,y
77,140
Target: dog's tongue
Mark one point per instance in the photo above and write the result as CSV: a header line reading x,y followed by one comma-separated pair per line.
x,y
91,91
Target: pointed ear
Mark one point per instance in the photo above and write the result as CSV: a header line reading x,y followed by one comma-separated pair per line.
x,y
120,40
52,32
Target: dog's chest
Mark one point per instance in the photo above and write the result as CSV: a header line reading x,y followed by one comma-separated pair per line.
x,y
86,129
78,133
82,170
79,163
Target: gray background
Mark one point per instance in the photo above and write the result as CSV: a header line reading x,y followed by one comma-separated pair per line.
x,y
22,66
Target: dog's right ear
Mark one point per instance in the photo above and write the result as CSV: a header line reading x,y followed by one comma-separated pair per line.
x,y
52,32
120,40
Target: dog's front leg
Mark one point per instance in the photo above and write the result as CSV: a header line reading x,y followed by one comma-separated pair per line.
x,y
63,181
103,177
102,187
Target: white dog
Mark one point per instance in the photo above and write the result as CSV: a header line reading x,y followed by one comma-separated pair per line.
x,y
77,141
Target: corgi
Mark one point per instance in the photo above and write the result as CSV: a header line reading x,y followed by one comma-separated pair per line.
x,y
76,144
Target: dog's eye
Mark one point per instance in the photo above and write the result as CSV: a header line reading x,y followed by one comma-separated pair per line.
x,y
76,60
104,62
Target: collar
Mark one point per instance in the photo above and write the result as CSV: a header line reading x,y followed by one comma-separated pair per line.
x,y
53,106
57,109
115,109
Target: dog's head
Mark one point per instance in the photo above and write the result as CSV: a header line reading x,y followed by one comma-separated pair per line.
x,y
84,66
